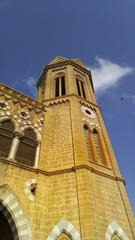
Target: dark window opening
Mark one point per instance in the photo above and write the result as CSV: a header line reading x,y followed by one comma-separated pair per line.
x,y
60,88
78,87
6,137
3,105
24,114
33,188
27,148
5,229
57,87
63,85
83,91
88,112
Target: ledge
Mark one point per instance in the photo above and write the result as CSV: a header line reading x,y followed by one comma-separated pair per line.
x,y
65,98
63,171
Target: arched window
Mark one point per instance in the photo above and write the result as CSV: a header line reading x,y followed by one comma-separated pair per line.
x,y
80,88
60,88
6,137
98,148
64,230
27,148
89,143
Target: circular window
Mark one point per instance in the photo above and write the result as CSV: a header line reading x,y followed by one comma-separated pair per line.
x,y
4,105
24,114
88,112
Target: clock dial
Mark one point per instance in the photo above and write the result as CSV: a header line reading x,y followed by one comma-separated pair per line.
x,y
88,112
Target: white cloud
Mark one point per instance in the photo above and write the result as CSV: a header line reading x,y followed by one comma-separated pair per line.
x,y
30,82
108,74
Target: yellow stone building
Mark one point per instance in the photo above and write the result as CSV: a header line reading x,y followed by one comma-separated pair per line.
x,y
59,178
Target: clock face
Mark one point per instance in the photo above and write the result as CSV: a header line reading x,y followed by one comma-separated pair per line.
x,y
88,112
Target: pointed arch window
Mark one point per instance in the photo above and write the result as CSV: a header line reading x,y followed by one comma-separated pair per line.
x,y
60,88
94,145
27,148
89,143
80,88
98,148
6,137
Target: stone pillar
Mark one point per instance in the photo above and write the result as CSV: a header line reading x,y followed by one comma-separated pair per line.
x,y
37,155
14,145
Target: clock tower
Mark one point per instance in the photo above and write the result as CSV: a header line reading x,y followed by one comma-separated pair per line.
x,y
59,179
86,187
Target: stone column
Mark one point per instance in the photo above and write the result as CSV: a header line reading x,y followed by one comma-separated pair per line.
x,y
14,145
37,155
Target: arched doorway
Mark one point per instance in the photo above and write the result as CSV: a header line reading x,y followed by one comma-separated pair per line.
x,y
12,217
7,225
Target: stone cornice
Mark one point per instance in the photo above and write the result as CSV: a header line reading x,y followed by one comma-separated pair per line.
x,y
13,94
60,64
60,99
63,171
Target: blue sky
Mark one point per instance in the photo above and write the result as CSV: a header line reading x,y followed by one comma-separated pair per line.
x,y
101,34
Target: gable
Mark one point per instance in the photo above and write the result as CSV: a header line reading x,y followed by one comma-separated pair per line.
x,y
58,59
62,59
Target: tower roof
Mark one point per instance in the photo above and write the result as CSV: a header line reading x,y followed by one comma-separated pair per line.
x,y
61,61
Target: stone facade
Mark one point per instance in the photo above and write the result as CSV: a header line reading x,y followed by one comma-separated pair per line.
x,y
76,195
